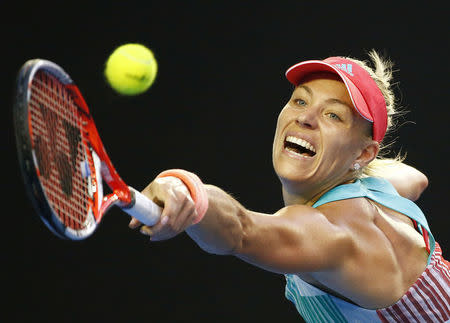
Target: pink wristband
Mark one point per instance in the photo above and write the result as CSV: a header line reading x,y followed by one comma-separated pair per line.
x,y
196,189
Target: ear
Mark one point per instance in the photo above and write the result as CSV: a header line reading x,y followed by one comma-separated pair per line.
x,y
368,153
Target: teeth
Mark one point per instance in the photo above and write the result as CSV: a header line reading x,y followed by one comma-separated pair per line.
x,y
300,142
295,153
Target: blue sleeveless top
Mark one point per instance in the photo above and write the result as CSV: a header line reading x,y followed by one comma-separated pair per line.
x,y
315,305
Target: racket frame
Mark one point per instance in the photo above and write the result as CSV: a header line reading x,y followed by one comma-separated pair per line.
x,y
122,195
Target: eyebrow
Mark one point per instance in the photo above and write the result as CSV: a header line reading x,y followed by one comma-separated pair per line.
x,y
306,88
331,100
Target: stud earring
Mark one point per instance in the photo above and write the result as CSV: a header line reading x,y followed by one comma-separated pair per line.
x,y
356,166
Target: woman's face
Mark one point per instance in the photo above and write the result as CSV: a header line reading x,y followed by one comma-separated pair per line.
x,y
319,135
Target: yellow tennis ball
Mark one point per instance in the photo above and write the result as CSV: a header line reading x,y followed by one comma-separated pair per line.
x,y
131,69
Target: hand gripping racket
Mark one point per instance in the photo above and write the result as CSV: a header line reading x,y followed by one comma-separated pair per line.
x,y
62,158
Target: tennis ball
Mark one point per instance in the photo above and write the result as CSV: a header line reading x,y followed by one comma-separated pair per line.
x,y
131,69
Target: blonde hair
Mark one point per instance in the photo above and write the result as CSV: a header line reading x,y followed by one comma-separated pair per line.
x,y
381,70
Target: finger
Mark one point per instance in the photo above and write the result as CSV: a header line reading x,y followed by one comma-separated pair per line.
x,y
183,222
134,223
186,215
172,208
177,208
153,192
170,211
146,230
185,207
172,225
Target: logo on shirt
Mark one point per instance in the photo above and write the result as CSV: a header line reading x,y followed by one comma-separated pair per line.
x,y
347,68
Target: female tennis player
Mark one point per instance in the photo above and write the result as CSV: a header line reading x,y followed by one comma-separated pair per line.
x,y
351,243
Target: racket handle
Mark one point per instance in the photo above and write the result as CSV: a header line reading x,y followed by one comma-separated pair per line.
x,y
142,208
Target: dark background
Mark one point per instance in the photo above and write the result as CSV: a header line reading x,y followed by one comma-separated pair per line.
x,y
212,110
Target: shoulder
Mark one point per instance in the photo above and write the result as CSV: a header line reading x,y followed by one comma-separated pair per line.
x,y
359,218
347,211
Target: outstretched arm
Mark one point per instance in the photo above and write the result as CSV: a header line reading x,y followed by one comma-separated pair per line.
x,y
300,238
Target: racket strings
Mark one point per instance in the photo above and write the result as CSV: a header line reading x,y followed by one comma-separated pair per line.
x,y
57,133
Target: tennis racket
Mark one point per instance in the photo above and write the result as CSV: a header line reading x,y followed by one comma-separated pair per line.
x,y
62,158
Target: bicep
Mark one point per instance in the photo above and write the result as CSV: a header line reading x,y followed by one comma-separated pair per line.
x,y
408,181
296,239
409,190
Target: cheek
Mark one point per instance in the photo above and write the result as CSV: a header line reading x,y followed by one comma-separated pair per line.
x,y
275,138
279,126
343,153
283,118
338,143
281,122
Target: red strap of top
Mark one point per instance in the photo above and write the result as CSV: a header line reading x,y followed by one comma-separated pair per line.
x,y
425,235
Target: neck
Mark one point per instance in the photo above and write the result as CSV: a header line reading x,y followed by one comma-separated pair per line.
x,y
292,197
294,194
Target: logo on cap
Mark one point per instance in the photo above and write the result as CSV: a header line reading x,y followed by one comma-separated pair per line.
x,y
347,68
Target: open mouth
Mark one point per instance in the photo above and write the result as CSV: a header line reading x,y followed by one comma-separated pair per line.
x,y
299,146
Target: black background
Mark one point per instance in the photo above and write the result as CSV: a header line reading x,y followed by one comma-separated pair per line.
x,y
212,110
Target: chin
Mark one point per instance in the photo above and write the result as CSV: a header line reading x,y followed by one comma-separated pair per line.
x,y
288,172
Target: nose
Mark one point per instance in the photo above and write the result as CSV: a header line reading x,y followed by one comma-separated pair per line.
x,y
307,118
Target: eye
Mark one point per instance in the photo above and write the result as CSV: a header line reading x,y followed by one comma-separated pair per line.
x,y
300,102
334,116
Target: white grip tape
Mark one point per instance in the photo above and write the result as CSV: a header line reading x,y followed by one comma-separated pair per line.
x,y
144,209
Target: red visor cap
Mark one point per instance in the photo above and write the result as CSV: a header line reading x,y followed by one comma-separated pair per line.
x,y
364,92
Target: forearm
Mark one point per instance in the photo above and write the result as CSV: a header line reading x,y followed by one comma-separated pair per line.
x,y
221,230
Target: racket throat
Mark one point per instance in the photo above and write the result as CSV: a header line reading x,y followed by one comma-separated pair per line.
x,y
125,198
142,208
118,198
